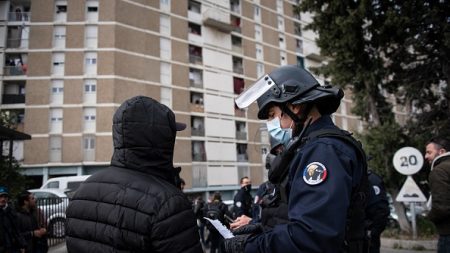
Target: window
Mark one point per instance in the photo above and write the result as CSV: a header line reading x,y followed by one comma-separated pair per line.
x,y
299,46
166,96
90,91
300,62
91,35
238,86
195,28
164,25
59,36
194,6
259,52
280,6
257,13
89,88
165,50
55,149
196,77
90,63
282,41
166,73
92,9
297,29
280,23
164,5
195,54
283,60
260,69
58,63
61,9
56,119
258,33
238,66
89,143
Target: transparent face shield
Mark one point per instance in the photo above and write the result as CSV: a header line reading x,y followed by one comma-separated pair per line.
x,y
253,93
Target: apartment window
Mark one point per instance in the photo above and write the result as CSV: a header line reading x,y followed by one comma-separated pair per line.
x,y
197,126
166,96
280,6
60,11
196,98
238,66
194,6
56,120
196,77
198,151
58,64
89,116
295,13
166,73
164,5
195,28
235,6
299,46
238,85
92,10
283,60
55,148
57,92
89,148
90,91
258,33
282,41
259,52
300,62
297,29
59,36
280,23
236,23
90,63
241,131
164,25
241,150
91,36
195,54
165,50
260,69
257,13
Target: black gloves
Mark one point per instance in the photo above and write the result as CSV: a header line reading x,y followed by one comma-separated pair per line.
x,y
235,244
250,229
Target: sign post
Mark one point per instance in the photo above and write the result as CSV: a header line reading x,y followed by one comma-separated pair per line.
x,y
408,161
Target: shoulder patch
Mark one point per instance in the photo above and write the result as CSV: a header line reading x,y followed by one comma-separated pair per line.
x,y
376,189
238,204
314,173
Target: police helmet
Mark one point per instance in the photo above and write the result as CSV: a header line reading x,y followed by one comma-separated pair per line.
x,y
290,84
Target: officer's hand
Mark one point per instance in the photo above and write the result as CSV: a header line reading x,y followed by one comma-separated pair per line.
x,y
235,244
240,221
250,229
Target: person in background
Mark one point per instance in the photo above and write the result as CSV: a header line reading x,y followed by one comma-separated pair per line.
x,y
377,211
243,199
28,224
216,210
437,153
199,205
136,204
11,241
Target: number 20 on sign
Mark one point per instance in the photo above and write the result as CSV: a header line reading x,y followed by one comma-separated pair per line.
x,y
408,160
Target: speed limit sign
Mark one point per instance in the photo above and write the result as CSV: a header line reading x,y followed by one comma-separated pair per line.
x,y
408,160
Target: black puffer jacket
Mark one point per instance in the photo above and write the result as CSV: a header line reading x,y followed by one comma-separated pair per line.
x,y
134,206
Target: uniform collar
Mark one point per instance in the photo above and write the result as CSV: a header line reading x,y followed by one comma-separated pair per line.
x,y
324,121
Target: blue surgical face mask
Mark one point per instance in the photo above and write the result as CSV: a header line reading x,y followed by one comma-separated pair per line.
x,y
283,135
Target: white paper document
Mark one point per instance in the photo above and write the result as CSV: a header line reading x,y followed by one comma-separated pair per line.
x,y
224,231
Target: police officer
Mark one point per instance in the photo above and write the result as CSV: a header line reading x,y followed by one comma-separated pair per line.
x,y
377,211
327,184
243,199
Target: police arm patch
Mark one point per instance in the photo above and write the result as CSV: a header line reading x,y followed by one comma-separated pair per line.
x,y
314,173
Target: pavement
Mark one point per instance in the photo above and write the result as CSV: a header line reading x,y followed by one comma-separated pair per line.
x,y
387,246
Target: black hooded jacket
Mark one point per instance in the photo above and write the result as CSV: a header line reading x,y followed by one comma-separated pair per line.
x,y
134,205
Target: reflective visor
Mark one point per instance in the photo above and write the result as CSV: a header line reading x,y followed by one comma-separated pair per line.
x,y
253,93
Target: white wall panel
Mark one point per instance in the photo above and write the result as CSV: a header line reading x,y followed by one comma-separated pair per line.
x,y
220,151
218,81
216,38
222,175
220,128
217,59
217,104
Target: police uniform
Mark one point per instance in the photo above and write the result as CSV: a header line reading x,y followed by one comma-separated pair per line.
x,y
243,203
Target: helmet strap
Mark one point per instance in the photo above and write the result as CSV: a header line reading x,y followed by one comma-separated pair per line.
x,y
299,120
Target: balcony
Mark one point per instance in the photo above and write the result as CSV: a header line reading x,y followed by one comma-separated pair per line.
x,y
19,16
13,99
197,108
195,59
199,157
238,69
17,43
15,70
241,135
198,132
218,19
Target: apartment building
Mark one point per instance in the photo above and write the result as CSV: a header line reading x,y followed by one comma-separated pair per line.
x,y
68,65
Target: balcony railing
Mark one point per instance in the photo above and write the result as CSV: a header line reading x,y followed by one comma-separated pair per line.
x,y
199,157
238,69
17,43
198,132
196,83
241,135
195,59
14,70
13,99
19,16
242,157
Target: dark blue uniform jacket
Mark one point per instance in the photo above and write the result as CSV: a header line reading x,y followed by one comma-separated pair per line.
x,y
318,209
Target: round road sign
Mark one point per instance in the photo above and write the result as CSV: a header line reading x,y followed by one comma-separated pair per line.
x,y
408,160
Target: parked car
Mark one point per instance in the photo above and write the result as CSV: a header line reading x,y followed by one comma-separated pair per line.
x,y
67,184
52,204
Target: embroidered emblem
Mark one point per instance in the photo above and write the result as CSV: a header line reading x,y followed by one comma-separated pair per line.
x,y
376,189
314,173
238,204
